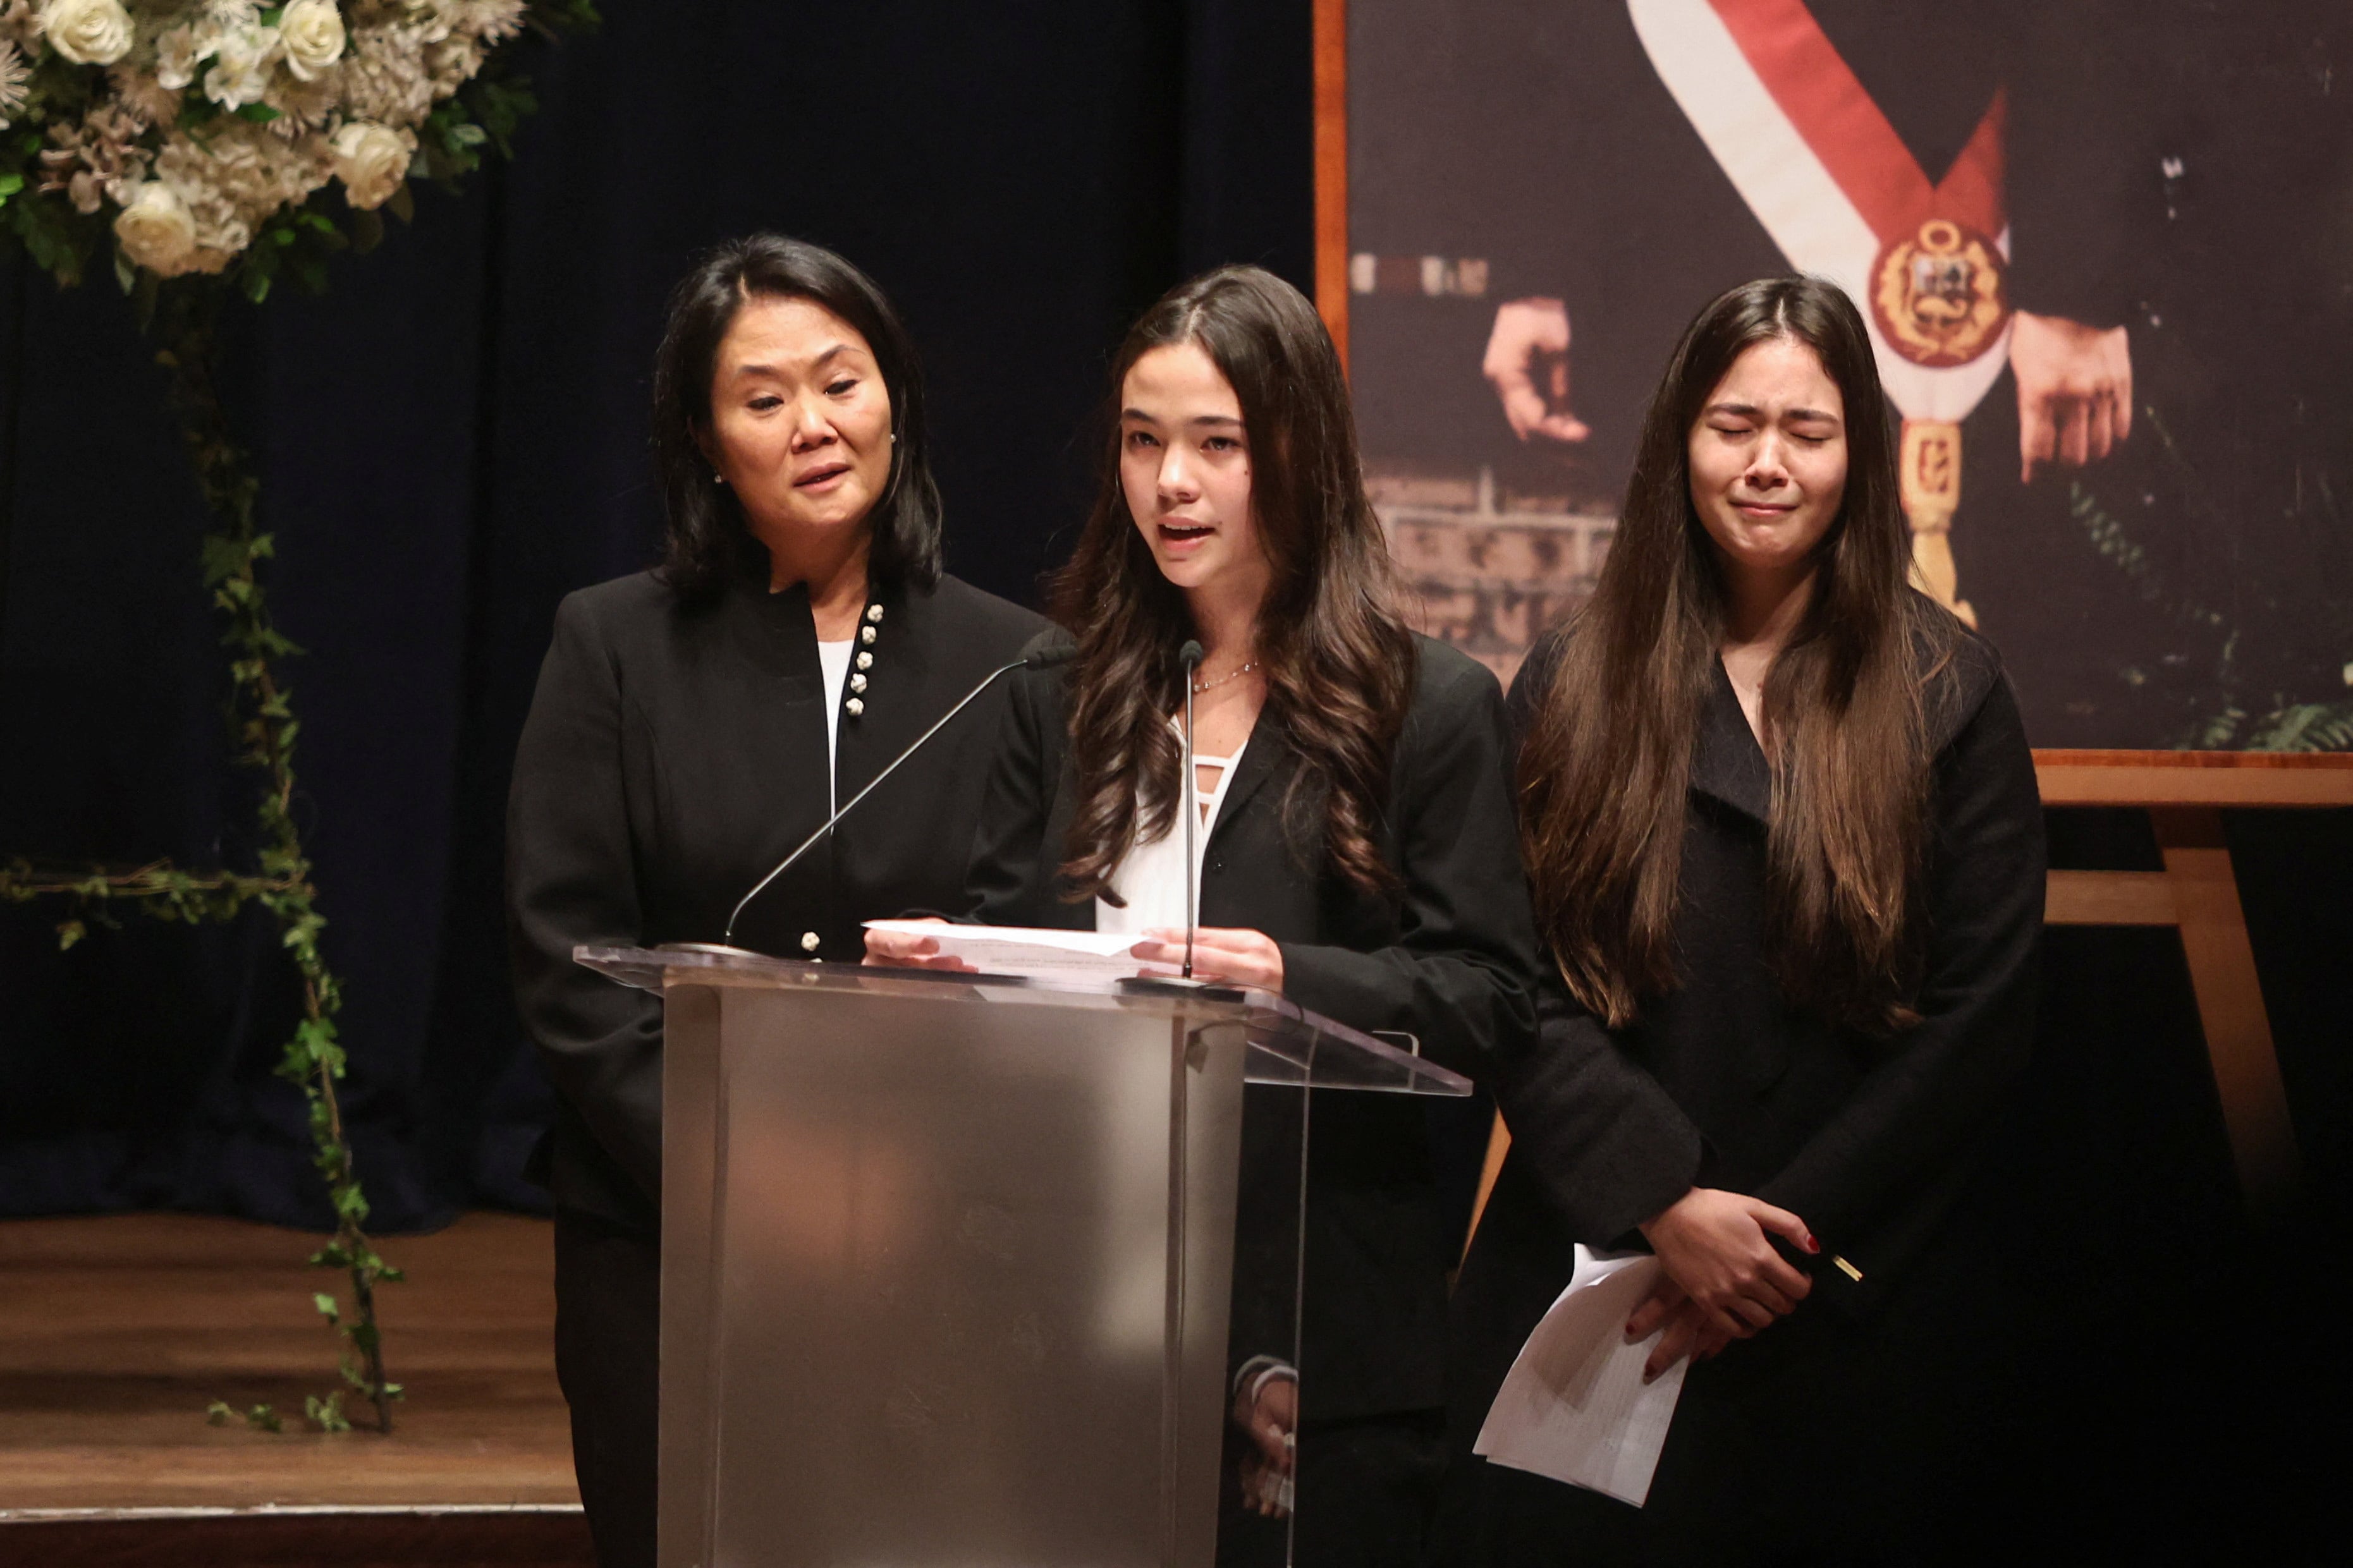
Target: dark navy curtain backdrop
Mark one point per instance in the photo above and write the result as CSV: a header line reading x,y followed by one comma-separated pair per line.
x,y
453,438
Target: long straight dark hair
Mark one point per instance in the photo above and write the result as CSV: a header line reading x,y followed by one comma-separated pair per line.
x,y
1604,774
1336,652
707,543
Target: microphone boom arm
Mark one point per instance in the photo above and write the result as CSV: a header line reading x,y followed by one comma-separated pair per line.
x,y
941,723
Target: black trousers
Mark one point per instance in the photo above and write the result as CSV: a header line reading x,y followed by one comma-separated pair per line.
x,y
607,1358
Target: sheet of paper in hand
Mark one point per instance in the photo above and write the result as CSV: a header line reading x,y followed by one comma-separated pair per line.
x,y
1035,951
1574,1406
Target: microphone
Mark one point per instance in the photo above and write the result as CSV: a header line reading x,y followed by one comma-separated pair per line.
x,y
1046,660
1188,660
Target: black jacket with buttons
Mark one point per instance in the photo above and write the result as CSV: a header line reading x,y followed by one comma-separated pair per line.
x,y
1451,959
671,757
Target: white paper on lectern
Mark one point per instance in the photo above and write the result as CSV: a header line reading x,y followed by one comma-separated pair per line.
x,y
1038,952
1574,1406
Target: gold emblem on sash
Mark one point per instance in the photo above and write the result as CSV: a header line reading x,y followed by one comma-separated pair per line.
x,y
1937,294
1929,470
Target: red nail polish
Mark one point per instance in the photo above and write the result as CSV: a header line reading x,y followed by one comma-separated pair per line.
x,y
1811,1245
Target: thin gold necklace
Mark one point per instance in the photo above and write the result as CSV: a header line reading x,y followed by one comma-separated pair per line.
x,y
1201,686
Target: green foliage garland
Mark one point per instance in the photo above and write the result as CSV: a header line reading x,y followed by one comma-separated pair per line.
x,y
40,211
2278,720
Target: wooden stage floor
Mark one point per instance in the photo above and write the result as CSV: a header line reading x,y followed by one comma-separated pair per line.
x,y
117,1330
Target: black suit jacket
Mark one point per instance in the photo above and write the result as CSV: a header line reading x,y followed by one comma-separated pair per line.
x,y
671,757
1721,1084
1451,961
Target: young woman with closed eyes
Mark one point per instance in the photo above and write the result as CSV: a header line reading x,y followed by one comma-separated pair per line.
x,y
1785,853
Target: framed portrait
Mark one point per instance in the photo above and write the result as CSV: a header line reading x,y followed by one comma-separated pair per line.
x,y
2105,250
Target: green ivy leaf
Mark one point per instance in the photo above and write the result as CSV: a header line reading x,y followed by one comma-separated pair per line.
x,y
70,933
218,1414
327,1306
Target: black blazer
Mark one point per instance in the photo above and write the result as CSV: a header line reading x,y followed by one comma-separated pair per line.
x,y
1451,961
671,757
1721,1084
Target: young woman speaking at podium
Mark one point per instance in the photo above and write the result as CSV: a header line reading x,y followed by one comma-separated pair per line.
x,y
1356,849
695,722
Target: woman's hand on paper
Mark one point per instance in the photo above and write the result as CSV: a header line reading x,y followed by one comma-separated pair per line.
x,y
1688,1329
903,950
1220,952
1713,1246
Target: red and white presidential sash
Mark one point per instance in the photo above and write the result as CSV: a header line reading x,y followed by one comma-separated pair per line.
x,y
1831,181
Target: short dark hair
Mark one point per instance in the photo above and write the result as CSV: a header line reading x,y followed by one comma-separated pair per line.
x,y
706,542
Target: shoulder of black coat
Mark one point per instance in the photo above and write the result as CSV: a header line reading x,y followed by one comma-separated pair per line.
x,y
1049,639
617,608
1000,625
1538,672
636,593
1959,669
1445,675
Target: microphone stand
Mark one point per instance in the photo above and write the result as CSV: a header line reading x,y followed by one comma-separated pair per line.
x,y
1188,660
728,938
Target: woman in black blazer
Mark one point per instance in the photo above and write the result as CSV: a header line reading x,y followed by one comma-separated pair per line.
x,y
1357,856
1787,852
695,722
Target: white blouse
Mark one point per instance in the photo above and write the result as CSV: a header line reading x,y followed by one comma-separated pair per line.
x,y
833,663
1151,877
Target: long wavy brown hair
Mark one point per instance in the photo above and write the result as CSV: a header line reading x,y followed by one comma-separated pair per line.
x,y
1334,652
1607,763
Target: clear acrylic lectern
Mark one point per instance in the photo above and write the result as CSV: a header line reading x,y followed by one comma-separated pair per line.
x,y
960,1270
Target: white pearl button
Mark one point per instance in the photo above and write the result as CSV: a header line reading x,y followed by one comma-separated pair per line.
x,y
873,612
865,661
854,707
858,683
866,636
808,942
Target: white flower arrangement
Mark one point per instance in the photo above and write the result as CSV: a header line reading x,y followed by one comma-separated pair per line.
x,y
191,129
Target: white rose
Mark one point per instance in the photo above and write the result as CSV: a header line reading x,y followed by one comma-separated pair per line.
x,y
155,229
88,32
313,32
177,57
372,160
241,72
